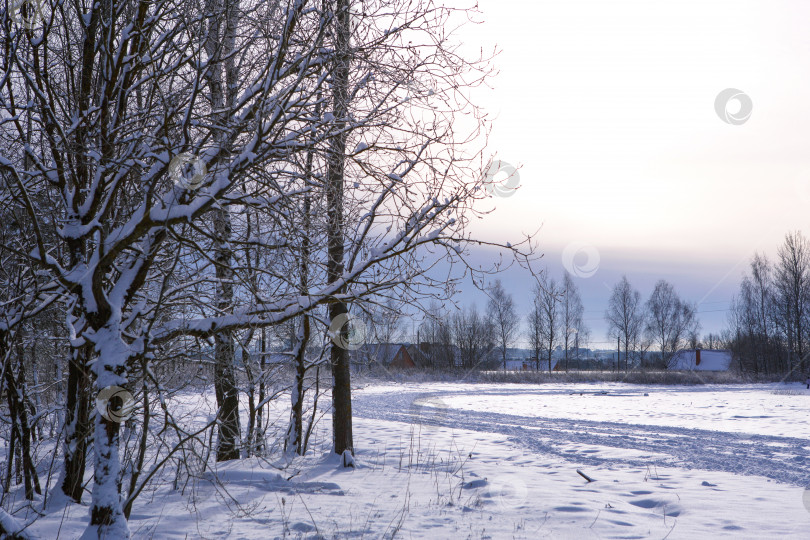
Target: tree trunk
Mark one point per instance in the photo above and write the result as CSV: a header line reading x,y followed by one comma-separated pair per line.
x,y
137,467
259,434
77,413
107,518
219,45
295,436
18,396
341,376
250,441
77,423
224,377
225,388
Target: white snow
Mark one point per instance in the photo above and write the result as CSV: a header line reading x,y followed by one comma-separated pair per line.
x,y
709,360
460,460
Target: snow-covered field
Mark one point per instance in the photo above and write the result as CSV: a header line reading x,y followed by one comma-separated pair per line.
x,y
500,461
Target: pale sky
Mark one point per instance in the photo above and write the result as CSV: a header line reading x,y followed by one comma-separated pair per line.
x,y
608,108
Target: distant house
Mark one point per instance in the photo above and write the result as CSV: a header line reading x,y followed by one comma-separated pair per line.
x,y
435,354
392,355
700,360
402,358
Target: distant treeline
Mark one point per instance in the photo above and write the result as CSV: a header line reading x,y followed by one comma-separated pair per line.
x,y
769,320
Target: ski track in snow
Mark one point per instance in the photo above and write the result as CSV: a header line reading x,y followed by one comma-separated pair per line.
x,y
784,459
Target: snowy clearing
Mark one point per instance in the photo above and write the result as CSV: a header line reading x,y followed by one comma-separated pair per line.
x,y
457,460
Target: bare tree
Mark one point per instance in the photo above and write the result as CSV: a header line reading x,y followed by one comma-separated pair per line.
x,y
670,320
534,332
762,291
624,316
755,318
792,285
571,312
221,76
769,316
341,373
436,338
502,317
474,335
545,321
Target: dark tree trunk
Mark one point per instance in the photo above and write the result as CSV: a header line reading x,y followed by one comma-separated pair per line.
x,y
341,376
137,468
250,444
219,45
295,436
20,430
259,413
227,397
18,396
77,423
341,392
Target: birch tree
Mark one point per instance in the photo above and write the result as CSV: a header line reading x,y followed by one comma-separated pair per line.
x,y
792,283
502,317
571,311
624,316
545,321
670,320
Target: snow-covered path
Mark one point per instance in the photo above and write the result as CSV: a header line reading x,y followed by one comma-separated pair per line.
x,y
598,442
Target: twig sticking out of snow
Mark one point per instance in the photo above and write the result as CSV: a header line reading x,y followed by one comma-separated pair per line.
x,y
585,476
348,459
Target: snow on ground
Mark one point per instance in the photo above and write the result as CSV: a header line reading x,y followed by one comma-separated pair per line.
x,y
500,461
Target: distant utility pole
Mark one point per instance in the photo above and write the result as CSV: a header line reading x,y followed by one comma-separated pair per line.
x,y
618,353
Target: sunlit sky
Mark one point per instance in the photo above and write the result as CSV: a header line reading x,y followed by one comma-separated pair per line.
x,y
608,108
